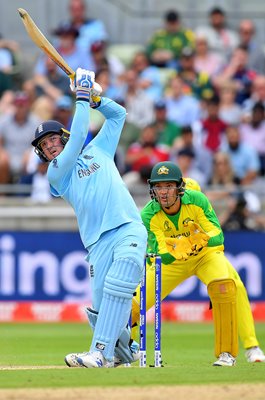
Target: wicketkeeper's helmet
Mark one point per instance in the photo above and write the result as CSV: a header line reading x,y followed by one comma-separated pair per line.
x,y
166,171
46,128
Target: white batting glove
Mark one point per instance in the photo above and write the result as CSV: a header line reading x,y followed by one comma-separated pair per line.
x,y
83,83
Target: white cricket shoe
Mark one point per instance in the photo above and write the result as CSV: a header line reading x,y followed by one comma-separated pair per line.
x,y
94,359
71,359
255,354
225,360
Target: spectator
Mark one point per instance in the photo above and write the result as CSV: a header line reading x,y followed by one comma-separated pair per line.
x,y
257,94
196,83
206,60
145,152
212,126
247,32
185,160
238,214
90,30
102,60
221,39
182,108
165,45
253,133
50,82
229,111
223,174
202,157
16,135
238,71
244,159
68,49
63,111
148,76
110,87
139,105
167,131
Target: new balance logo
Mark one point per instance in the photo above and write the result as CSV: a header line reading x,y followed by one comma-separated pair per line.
x,y
100,346
133,245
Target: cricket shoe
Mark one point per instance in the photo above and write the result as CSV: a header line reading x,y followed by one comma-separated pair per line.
x,y
94,359
71,360
134,348
225,360
255,354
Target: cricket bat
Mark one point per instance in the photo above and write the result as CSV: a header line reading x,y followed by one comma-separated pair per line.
x,y
43,43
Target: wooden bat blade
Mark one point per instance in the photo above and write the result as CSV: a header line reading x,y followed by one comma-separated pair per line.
x,y
43,43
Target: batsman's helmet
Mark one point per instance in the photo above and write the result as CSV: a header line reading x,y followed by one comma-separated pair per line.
x,y
46,128
166,171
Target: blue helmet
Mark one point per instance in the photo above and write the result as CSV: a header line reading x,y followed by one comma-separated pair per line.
x,y
46,128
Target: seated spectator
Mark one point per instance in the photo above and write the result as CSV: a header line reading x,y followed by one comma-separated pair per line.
x,y
167,131
185,159
165,45
67,47
244,159
90,30
51,82
149,79
202,156
239,214
212,126
182,109
196,83
257,94
206,60
139,106
248,39
221,39
238,71
16,135
146,151
253,133
223,174
102,60
229,111
43,108
63,111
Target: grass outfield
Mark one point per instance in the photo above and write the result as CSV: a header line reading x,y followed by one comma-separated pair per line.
x,y
32,356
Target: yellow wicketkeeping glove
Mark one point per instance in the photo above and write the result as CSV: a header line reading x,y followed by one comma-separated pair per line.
x,y
198,237
179,247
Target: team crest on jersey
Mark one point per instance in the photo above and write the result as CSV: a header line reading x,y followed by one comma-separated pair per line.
x,y
186,221
163,170
167,226
55,163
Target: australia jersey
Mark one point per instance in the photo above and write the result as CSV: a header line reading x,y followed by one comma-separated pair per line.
x,y
194,207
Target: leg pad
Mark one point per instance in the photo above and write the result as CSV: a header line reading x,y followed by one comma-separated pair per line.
x,y
223,297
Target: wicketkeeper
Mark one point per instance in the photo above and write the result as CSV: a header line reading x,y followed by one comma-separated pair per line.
x,y
184,230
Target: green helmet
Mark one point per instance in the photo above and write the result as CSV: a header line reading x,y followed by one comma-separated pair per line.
x,y
165,171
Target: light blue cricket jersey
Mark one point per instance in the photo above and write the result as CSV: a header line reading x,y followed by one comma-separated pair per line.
x,y
89,180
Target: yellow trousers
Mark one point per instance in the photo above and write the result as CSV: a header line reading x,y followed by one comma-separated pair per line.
x,y
208,266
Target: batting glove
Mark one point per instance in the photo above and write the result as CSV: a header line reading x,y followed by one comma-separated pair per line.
x,y
82,84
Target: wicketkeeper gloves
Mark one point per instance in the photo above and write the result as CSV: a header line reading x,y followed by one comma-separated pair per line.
x,y
182,247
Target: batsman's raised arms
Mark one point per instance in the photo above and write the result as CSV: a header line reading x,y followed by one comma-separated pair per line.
x,y
43,43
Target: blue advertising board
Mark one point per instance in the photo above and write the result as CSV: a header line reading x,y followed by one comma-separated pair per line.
x,y
51,266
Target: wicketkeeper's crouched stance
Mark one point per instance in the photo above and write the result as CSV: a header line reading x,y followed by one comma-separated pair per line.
x,y
184,230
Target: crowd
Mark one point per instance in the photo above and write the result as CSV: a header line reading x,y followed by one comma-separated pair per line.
x,y
193,96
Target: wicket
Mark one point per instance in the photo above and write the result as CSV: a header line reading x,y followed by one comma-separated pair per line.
x,y
157,323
